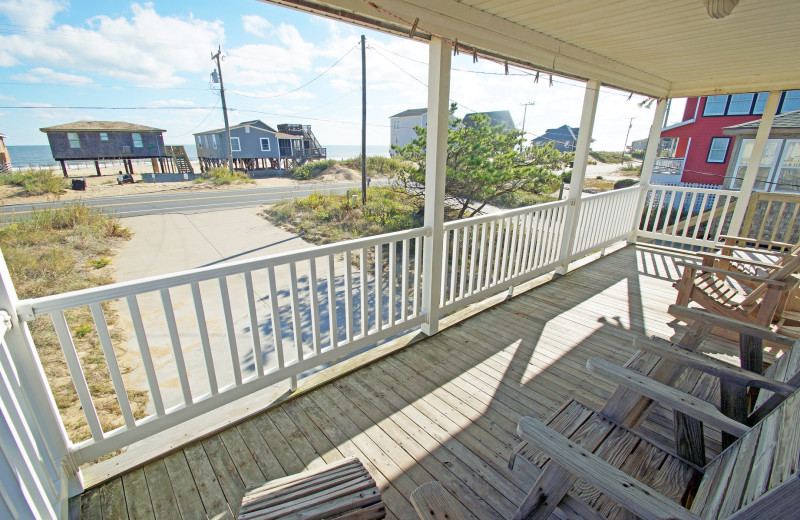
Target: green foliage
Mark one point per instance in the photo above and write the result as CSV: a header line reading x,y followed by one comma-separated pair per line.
x,y
99,263
483,164
607,157
325,219
82,330
566,176
521,199
222,176
638,154
624,183
310,170
35,182
630,167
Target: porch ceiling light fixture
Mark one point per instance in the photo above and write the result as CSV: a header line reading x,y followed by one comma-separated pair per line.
x,y
720,8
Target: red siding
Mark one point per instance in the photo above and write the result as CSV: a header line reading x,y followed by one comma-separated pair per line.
x,y
696,168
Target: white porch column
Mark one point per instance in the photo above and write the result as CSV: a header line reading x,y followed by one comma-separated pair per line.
x,y
647,164
579,171
754,163
435,173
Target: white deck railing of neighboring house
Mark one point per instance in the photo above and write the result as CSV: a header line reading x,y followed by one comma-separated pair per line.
x,y
279,317
669,165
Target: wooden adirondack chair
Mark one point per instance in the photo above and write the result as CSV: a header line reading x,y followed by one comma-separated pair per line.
x,y
627,408
755,478
614,470
722,292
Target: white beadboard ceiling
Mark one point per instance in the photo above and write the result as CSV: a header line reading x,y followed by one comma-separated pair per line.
x,y
655,47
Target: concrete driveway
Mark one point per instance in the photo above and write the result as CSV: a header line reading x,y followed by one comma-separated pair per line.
x,y
164,244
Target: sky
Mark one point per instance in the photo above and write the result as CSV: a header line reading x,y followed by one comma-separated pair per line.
x,y
150,63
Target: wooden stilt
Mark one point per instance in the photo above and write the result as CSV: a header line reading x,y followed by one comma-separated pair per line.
x,y
64,167
97,167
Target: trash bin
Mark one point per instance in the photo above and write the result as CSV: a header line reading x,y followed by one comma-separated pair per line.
x,y
79,184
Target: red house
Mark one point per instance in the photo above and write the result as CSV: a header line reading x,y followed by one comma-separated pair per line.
x,y
700,150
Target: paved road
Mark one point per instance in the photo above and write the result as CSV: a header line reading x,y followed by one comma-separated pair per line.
x,y
180,202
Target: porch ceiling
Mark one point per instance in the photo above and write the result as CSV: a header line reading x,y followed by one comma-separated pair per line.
x,y
659,49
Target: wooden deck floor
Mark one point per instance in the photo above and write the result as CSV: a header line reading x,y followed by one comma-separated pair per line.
x,y
443,409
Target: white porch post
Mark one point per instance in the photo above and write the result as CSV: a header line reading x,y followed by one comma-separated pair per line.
x,y
46,428
647,164
435,172
754,163
579,172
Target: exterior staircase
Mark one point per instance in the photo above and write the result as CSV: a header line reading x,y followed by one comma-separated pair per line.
x,y
179,157
311,146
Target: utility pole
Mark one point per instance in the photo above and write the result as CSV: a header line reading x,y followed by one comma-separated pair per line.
x,y
363,121
224,107
524,116
627,134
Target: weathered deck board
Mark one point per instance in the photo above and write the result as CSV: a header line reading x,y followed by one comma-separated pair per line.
x,y
444,409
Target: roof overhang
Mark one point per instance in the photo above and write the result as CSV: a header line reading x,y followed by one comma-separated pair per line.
x,y
659,49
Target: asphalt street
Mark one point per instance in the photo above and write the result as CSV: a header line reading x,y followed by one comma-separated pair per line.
x,y
176,202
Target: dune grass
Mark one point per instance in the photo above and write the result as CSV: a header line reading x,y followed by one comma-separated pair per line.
x,y
35,182
222,176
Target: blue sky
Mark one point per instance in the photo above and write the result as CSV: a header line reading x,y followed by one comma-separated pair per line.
x,y
279,67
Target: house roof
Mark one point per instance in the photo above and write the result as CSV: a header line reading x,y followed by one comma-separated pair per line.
x,y
783,124
497,118
100,126
561,134
411,112
666,49
256,123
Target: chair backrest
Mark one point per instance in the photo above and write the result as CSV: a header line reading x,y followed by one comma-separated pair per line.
x,y
784,274
757,476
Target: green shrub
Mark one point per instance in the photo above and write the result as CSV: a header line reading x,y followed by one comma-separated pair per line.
x,y
221,176
35,182
376,165
310,170
566,176
630,167
624,183
607,157
520,199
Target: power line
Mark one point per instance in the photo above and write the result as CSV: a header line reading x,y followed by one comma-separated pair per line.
x,y
48,107
277,114
301,86
211,111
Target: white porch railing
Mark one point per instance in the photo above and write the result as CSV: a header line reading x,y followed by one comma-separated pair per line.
x,y
273,327
669,165
686,216
605,218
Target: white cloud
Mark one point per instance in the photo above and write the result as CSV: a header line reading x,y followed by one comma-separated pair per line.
x,y
46,75
171,103
255,24
122,47
5,98
38,14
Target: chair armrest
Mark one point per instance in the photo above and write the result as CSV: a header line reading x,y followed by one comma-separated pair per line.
x,y
431,501
688,314
742,327
754,250
784,245
739,260
715,367
666,395
733,274
628,492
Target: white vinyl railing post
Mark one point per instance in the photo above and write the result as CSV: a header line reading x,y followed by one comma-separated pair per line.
x,y
576,183
49,432
754,164
435,171
647,165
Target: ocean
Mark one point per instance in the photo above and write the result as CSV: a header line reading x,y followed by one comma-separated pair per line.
x,y
33,155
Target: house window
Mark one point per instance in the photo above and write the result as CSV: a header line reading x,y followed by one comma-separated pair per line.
x,y
74,141
137,140
199,141
395,123
103,136
761,102
788,177
235,147
791,101
247,129
265,144
214,141
715,105
740,104
718,150
767,164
